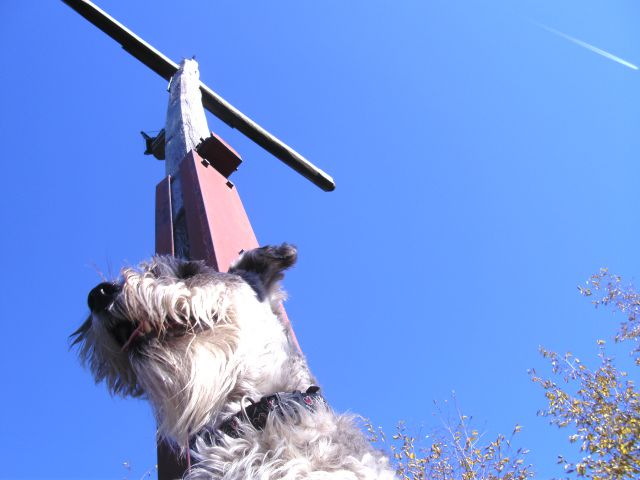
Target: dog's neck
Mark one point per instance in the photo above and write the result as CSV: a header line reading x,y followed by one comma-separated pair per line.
x,y
285,405
244,361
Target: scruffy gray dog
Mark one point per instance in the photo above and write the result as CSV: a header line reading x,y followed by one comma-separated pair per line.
x,y
211,353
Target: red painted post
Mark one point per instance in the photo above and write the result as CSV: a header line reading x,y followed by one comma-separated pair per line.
x,y
217,224
218,229
164,221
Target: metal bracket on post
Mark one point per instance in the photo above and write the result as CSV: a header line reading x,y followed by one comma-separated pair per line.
x,y
217,225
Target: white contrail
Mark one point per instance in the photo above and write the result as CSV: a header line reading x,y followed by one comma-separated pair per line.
x,y
597,50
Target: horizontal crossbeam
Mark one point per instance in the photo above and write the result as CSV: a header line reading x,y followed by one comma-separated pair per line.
x,y
213,102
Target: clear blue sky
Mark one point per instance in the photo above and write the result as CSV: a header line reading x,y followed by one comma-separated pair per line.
x,y
485,166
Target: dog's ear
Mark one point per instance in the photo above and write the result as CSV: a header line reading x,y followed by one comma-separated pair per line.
x,y
262,267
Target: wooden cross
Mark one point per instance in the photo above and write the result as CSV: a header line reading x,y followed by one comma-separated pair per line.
x,y
211,101
199,214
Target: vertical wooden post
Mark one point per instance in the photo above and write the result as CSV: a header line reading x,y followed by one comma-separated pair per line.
x,y
186,124
199,214
185,127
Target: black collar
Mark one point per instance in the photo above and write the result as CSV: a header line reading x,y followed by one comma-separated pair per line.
x,y
284,404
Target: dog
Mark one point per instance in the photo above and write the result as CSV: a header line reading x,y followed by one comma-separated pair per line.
x,y
227,384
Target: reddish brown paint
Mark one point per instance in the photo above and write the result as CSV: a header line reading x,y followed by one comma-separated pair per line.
x,y
217,224
219,154
218,229
164,222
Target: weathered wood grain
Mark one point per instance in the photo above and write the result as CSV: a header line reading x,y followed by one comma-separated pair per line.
x,y
185,127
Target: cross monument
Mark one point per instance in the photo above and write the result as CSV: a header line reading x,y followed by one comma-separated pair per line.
x,y
199,214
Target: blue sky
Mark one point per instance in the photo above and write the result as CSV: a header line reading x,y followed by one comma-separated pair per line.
x,y
484,168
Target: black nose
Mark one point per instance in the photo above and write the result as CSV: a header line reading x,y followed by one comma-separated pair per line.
x,y
102,296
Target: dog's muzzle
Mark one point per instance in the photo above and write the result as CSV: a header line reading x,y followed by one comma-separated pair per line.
x,y
102,296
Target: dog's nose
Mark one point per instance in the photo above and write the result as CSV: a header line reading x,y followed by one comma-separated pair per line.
x,y
102,296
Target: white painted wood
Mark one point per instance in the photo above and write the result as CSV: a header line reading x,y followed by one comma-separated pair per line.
x,y
186,122
185,127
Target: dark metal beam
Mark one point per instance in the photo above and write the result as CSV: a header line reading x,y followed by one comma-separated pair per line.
x,y
213,102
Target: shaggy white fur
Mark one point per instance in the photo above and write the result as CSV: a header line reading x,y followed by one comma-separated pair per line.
x,y
200,345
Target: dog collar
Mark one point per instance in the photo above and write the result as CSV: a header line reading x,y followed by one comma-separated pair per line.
x,y
284,404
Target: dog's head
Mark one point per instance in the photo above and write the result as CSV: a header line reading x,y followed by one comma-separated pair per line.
x,y
185,335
